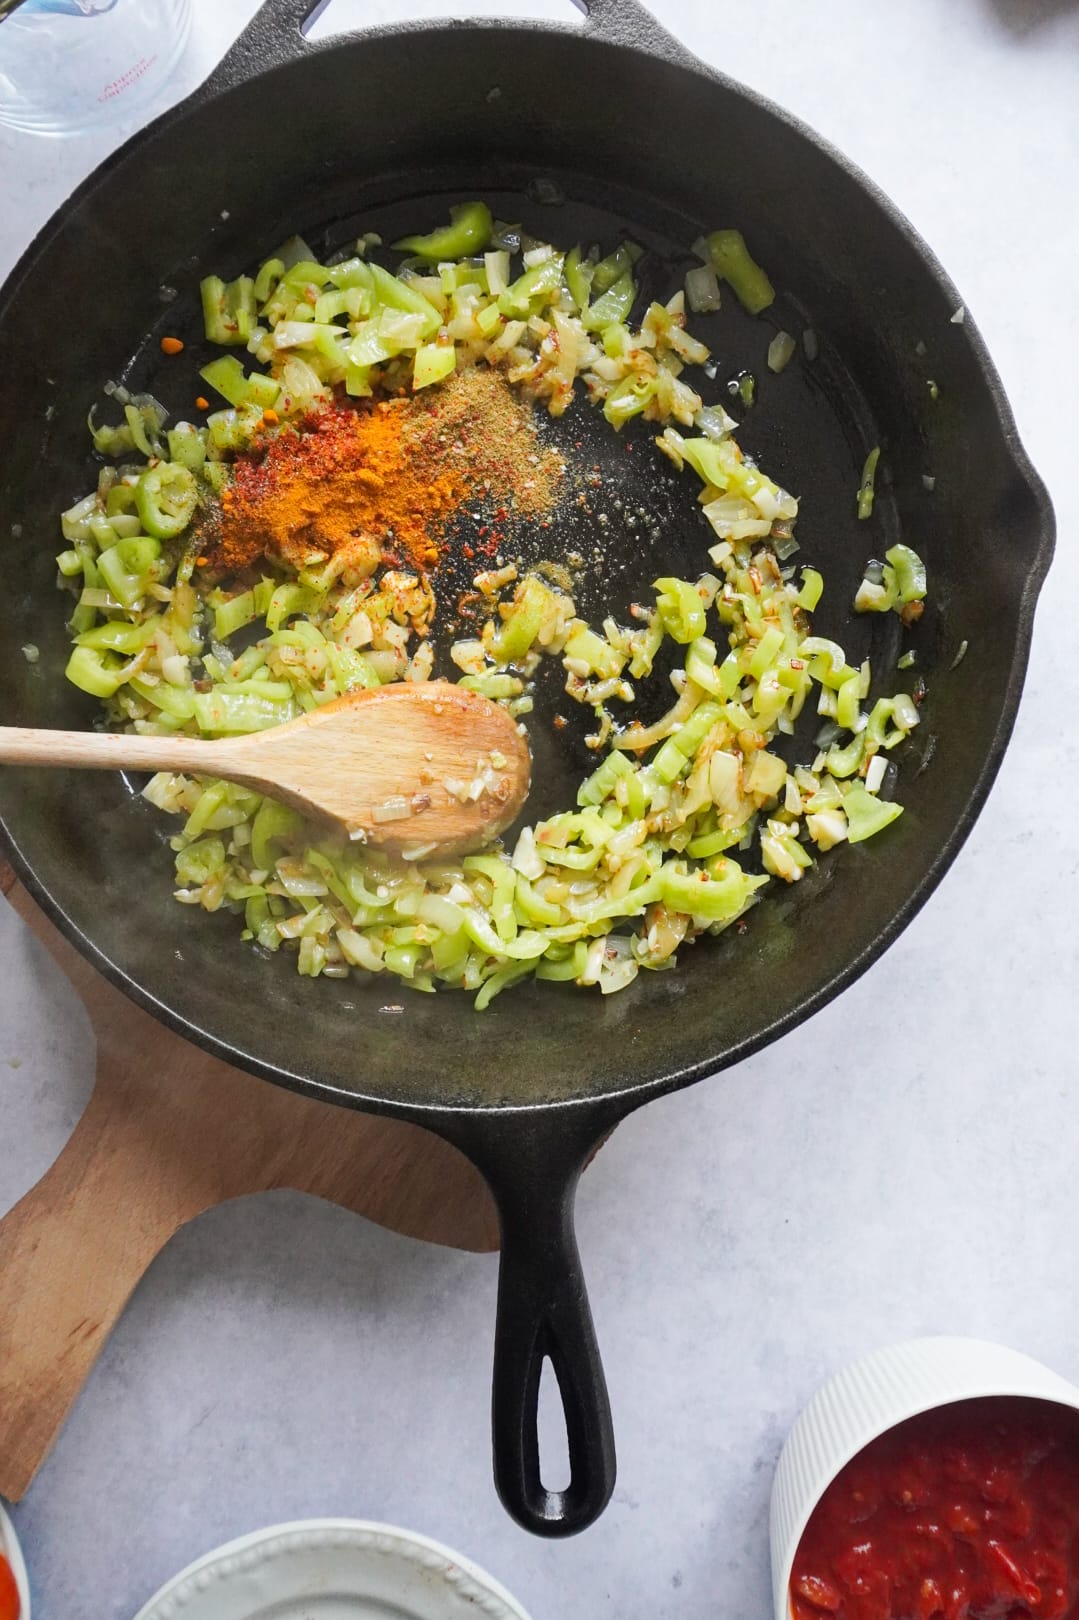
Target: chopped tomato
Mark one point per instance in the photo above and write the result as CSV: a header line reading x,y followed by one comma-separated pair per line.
x,y
967,1513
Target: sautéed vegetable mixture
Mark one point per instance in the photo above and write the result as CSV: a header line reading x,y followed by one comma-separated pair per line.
x,y
231,576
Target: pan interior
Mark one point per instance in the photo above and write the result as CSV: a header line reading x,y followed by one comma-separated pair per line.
x,y
330,166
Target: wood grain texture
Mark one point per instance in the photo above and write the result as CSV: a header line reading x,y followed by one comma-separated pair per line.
x,y
170,1132
357,761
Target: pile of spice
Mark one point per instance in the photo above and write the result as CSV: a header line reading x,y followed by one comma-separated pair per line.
x,y
379,482
479,422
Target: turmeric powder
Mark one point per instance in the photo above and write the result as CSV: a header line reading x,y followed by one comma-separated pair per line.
x,y
351,485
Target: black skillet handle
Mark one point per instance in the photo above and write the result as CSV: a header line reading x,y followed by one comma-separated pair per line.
x,y
275,36
533,1162
627,22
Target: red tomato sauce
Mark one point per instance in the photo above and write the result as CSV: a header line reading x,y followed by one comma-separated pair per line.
x,y
9,1592
970,1512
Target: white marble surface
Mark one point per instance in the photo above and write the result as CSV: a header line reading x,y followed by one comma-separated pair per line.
x,y
283,1359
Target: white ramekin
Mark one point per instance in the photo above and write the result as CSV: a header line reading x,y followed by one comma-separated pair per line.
x,y
871,1396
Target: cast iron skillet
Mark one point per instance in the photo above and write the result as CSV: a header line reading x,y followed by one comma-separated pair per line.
x,y
382,132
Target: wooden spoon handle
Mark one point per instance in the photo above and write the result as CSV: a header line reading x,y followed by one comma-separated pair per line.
x,y
108,751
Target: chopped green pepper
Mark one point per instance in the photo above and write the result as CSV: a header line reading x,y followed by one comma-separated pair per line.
x,y
867,487
396,294
433,363
680,609
186,446
615,266
95,672
579,274
910,582
629,398
866,814
535,286
228,309
165,497
717,899
226,374
267,279
125,568
733,263
469,231
611,307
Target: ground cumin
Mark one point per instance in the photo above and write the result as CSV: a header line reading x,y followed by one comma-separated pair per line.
x,y
379,481
480,422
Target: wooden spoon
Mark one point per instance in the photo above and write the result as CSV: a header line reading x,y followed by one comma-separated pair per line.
x,y
415,766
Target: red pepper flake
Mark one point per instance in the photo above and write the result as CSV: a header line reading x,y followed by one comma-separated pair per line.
x,y
171,345
202,404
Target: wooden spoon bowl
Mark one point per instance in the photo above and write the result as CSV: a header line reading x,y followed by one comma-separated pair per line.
x,y
418,768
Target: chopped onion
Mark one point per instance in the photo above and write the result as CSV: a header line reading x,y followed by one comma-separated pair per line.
x,y
905,712
526,858
702,289
874,774
497,265
870,598
417,852
545,191
960,316
780,351
810,343
506,236
714,422
296,880
394,809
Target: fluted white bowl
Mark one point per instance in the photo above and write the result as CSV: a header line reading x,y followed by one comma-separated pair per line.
x,y
869,1397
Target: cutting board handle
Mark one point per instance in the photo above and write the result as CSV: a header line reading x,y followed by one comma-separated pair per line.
x,y
170,1132
71,1253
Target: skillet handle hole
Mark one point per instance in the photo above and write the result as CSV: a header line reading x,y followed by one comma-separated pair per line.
x,y
349,16
556,1472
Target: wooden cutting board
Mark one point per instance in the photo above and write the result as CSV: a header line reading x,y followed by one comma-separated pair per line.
x,y
168,1132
